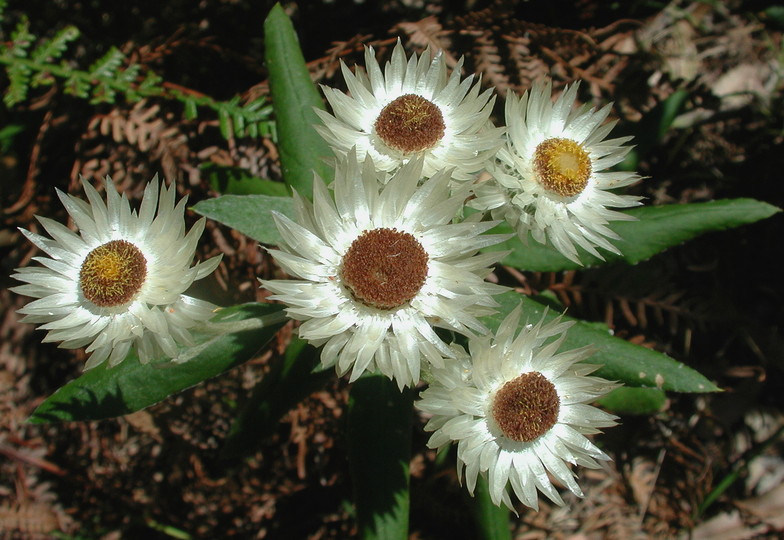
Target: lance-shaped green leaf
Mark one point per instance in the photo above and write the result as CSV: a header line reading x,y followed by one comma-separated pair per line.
x,y
657,228
291,379
232,337
379,450
621,361
302,150
634,400
249,214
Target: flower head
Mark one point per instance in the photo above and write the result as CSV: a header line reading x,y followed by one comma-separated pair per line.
x,y
551,179
380,265
412,109
119,282
518,410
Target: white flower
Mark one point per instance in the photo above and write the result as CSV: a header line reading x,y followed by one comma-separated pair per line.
x,y
379,266
412,109
119,282
552,178
519,412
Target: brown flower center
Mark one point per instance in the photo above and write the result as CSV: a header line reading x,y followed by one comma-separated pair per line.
x,y
112,273
562,166
527,407
410,124
385,268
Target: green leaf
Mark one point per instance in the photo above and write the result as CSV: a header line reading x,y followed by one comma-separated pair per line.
x,y
191,110
658,228
379,451
224,122
634,400
249,214
235,335
294,96
621,361
775,15
291,379
237,181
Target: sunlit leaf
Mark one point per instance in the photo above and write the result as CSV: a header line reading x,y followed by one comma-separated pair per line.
x,y
302,150
621,361
249,214
657,228
634,400
234,336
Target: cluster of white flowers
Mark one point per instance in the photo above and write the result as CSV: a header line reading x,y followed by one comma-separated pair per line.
x,y
387,270
384,260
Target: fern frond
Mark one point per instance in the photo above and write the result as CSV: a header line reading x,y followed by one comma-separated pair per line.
x,y
234,119
151,81
19,84
3,4
52,49
76,85
102,92
108,77
21,39
106,66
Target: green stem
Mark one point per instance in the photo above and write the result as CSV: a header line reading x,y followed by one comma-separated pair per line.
x,y
379,451
492,522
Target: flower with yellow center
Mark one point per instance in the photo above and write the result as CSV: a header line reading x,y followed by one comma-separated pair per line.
x,y
379,266
119,282
518,410
551,180
412,109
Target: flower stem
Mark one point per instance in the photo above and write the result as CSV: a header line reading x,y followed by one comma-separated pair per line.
x,y
379,441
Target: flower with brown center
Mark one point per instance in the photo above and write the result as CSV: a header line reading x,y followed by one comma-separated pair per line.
x,y
526,408
518,410
412,109
410,124
384,268
379,266
119,282
113,273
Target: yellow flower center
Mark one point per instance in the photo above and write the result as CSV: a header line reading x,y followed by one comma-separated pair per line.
x,y
527,407
112,273
562,166
385,268
410,124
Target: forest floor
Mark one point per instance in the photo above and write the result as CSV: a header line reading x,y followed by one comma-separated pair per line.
x,y
705,466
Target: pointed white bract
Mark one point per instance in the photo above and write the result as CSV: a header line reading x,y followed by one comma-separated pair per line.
x,y
119,281
518,411
552,178
379,265
412,108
